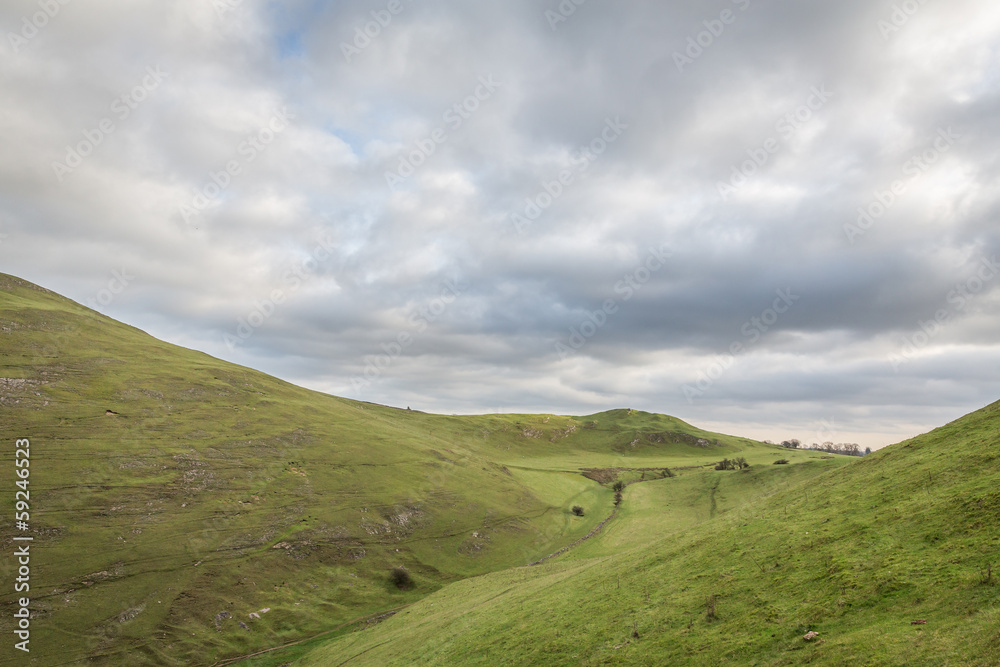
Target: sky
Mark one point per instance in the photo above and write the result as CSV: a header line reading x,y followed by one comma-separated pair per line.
x,y
773,218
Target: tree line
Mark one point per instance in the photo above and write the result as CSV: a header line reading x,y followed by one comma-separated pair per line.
x,y
846,448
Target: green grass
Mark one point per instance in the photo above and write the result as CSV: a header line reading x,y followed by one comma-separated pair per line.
x,y
855,552
213,491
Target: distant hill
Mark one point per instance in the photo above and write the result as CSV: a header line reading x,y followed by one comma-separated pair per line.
x,y
185,510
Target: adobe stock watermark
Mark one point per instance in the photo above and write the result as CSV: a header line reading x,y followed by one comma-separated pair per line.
x,y
714,28
884,200
786,127
247,151
121,108
564,10
120,280
827,430
552,190
752,330
957,300
901,15
223,7
293,279
377,364
365,34
30,27
626,288
454,117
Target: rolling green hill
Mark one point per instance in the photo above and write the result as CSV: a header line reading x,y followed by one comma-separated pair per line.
x,y
892,559
185,510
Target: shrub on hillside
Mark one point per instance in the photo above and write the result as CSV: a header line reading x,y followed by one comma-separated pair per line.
x,y
781,462
619,486
667,472
401,579
618,498
577,510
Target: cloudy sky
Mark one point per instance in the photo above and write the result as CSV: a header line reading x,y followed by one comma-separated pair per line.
x,y
771,218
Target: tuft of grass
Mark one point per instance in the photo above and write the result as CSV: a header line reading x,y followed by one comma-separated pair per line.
x,y
710,613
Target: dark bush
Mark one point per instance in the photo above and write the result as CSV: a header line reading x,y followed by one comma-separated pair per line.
x,y
577,510
734,464
401,579
667,472
781,462
618,498
619,486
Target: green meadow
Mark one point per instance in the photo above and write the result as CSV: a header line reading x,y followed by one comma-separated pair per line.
x,y
188,511
887,558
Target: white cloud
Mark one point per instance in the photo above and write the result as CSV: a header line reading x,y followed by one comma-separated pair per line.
x,y
323,177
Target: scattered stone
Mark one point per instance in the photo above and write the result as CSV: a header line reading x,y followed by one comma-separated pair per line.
x,y
378,619
129,614
919,621
809,636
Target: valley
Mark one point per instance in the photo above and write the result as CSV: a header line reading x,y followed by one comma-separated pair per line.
x,y
188,511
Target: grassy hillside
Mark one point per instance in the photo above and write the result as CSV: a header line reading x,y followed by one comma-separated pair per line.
x,y
857,553
173,495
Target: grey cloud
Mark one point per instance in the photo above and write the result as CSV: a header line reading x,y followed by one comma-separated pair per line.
x,y
323,180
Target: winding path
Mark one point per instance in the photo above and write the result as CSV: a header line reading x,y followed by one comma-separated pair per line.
x,y
586,537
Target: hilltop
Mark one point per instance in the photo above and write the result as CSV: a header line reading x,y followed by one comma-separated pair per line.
x,y
186,510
